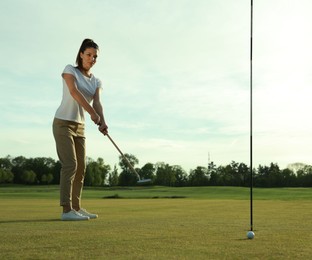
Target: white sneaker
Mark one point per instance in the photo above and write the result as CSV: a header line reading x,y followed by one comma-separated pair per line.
x,y
73,215
85,213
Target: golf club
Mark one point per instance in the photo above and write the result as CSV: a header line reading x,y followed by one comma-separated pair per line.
x,y
127,161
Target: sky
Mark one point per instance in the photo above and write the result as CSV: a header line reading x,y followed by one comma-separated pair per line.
x,y
176,78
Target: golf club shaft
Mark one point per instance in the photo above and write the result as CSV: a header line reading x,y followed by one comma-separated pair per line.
x,y
123,156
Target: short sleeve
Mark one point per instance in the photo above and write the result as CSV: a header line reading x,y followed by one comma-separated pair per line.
x,y
69,69
98,83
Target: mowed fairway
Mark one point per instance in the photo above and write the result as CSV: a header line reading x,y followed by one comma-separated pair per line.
x,y
209,223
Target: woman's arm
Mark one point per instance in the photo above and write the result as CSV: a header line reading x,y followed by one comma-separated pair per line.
x,y
97,105
76,94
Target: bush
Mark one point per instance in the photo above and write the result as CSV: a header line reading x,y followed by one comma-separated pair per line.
x,y
6,176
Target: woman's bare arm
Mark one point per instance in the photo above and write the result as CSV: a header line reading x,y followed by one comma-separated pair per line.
x,y
76,94
97,105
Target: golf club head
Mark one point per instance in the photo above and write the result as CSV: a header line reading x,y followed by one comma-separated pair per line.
x,y
144,181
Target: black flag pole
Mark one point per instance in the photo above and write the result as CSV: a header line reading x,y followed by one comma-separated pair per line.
x,y
251,122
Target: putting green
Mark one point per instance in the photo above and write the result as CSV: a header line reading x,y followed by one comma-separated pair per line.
x,y
185,228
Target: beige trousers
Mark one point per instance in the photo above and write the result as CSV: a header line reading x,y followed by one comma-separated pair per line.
x,y
70,146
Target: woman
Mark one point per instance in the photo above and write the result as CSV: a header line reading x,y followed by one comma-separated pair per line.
x,y
80,90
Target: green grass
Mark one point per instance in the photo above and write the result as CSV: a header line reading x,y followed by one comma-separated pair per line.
x,y
210,223
147,192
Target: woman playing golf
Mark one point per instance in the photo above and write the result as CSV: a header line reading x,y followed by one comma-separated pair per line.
x,y
81,92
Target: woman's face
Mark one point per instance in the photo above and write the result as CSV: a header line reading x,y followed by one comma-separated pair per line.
x,y
88,58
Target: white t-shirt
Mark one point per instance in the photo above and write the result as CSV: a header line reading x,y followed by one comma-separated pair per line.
x,y
70,109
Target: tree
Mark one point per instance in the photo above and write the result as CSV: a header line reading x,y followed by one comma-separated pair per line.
x,y
124,164
269,176
235,174
275,177
288,178
42,170
41,166
212,168
262,176
214,176
181,178
6,176
304,176
127,177
28,177
5,163
244,173
56,172
148,171
295,167
46,178
113,177
18,168
165,175
199,177
96,172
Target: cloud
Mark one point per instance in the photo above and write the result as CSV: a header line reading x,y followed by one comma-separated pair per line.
x,y
175,77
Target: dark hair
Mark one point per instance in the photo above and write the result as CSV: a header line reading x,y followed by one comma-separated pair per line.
x,y
87,43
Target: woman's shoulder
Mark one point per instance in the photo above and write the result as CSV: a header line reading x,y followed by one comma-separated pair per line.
x,y
70,68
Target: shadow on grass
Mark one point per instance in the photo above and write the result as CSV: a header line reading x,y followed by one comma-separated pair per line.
x,y
28,221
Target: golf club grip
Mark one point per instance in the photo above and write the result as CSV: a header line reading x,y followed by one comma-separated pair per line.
x,y
123,156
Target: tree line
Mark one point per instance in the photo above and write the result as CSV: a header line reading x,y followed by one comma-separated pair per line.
x,y
43,170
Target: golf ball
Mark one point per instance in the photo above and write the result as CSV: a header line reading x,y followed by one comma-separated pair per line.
x,y
250,235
